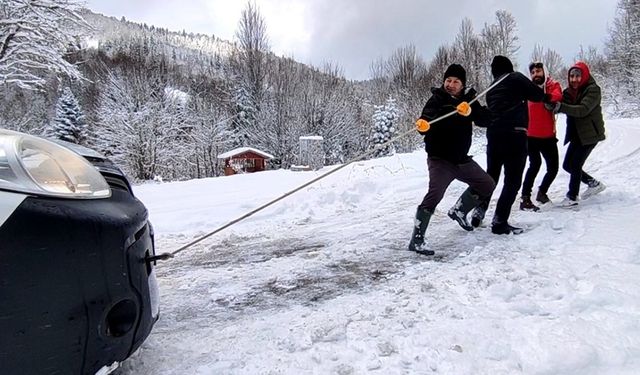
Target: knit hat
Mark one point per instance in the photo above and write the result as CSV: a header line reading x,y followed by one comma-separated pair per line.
x,y
456,70
500,65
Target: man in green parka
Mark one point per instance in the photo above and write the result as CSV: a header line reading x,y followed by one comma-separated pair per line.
x,y
585,128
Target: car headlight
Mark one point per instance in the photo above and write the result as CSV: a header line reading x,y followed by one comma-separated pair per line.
x,y
33,165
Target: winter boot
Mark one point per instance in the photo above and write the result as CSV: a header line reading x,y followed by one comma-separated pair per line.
x,y
420,227
478,214
527,205
459,211
505,228
542,197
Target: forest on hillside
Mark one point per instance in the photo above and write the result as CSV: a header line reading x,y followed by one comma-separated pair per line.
x,y
164,104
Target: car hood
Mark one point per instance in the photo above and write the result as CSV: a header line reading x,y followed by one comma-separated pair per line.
x,y
78,149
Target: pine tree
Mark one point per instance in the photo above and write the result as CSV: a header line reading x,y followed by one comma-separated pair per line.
x,y
242,123
69,123
384,127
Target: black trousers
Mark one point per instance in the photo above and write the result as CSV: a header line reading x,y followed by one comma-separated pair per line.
x,y
574,160
539,148
506,150
443,172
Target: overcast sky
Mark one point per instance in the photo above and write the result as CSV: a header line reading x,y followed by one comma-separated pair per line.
x,y
354,33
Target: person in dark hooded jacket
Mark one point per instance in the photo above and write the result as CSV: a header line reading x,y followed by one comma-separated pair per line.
x,y
447,143
585,128
507,139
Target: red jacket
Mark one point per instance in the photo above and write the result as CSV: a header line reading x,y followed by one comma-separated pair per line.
x,y
542,123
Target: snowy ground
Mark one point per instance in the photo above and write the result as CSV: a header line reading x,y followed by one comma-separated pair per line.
x,y
321,282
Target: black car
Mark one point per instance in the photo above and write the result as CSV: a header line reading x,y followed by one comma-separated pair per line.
x,y
78,291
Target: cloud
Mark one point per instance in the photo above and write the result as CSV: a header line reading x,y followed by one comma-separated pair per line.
x,y
354,33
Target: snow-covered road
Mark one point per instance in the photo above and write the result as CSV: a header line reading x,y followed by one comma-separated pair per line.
x,y
322,283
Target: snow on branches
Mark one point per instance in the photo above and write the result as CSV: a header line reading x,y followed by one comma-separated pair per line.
x,y
34,37
69,123
384,127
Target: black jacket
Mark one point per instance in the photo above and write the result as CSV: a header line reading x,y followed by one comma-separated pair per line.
x,y
507,102
450,138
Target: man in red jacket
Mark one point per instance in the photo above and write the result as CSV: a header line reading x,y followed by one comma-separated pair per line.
x,y
541,139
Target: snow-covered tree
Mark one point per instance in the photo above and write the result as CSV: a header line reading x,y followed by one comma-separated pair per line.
x,y
211,137
280,124
500,38
623,46
404,76
245,117
623,52
69,122
34,37
25,110
551,59
250,58
133,126
384,127
329,107
469,49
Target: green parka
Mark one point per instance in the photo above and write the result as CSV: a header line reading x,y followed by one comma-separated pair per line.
x,y
584,112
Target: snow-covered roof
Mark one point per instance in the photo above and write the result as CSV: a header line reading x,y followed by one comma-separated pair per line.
x,y
240,150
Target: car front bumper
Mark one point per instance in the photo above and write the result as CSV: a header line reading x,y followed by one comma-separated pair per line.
x,y
76,291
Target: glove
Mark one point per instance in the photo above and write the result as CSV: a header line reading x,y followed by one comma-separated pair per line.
x,y
547,99
552,107
464,109
422,125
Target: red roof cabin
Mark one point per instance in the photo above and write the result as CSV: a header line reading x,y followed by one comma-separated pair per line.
x,y
244,160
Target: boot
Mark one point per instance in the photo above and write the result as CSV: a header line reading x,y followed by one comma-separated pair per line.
x,y
527,205
505,228
542,197
478,214
459,211
420,227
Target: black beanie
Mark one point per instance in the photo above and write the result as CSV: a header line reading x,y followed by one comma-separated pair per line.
x,y
456,70
500,65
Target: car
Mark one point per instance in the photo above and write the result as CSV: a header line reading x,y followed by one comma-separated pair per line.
x,y
78,291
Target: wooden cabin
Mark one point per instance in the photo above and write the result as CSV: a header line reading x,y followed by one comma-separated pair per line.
x,y
244,160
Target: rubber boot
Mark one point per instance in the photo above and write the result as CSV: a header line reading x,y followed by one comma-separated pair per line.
x,y
459,211
478,214
420,227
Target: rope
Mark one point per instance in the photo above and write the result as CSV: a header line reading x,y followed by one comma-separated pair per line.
x,y
165,256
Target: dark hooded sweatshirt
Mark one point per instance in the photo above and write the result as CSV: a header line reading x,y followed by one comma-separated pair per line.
x,y
508,102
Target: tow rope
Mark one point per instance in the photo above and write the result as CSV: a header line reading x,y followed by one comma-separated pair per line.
x,y
166,256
